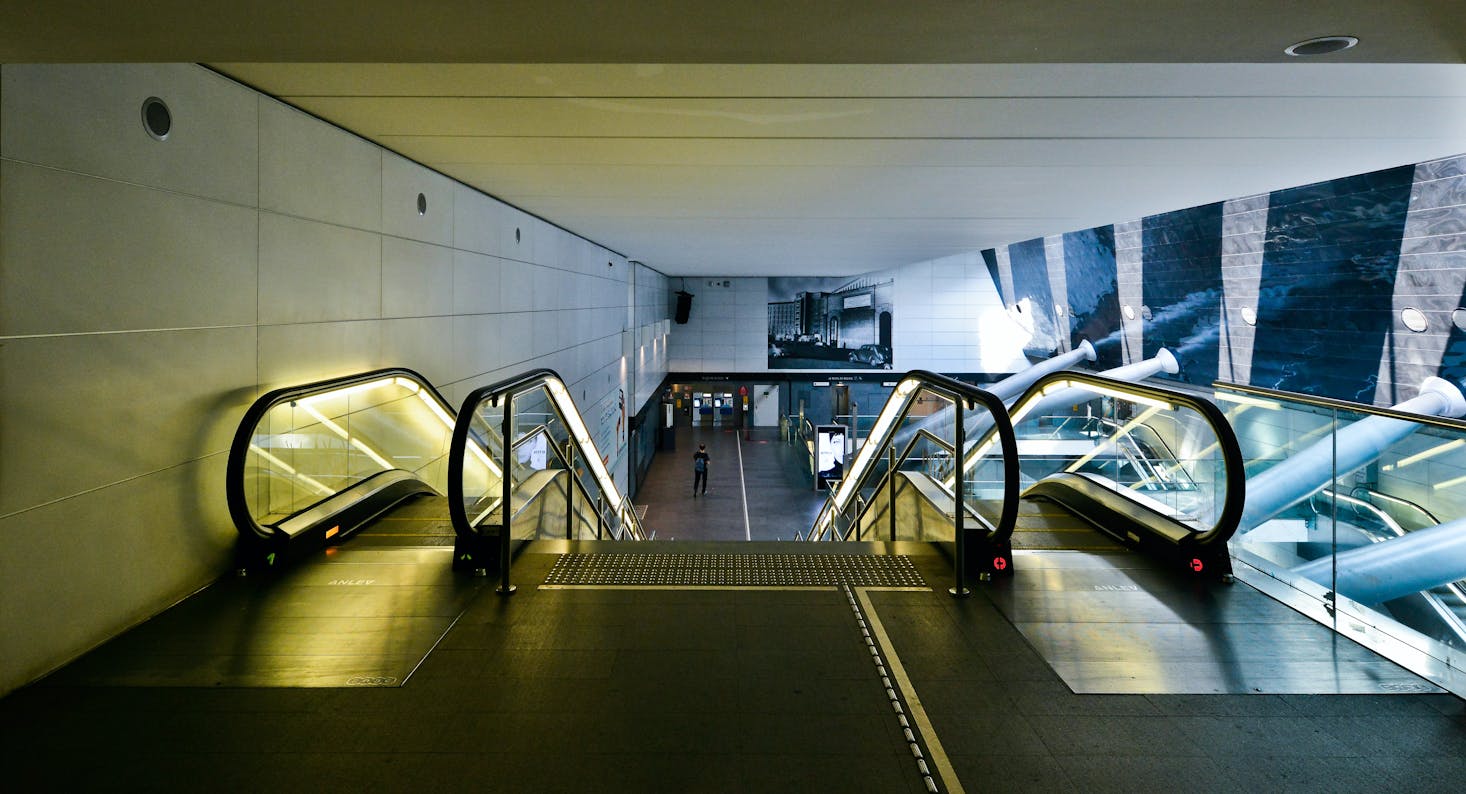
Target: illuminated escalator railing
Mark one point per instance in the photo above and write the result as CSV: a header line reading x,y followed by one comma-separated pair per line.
x,y
1157,469
547,481
311,464
981,513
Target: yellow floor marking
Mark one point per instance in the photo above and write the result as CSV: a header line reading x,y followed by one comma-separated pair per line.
x,y
913,701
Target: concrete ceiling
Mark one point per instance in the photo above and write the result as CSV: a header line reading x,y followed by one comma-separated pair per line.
x,y
830,138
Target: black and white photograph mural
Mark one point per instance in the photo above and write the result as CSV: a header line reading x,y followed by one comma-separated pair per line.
x,y
830,323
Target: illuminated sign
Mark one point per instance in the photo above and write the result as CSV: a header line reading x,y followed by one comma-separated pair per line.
x,y
829,450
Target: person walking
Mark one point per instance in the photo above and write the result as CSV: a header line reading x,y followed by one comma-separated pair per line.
x,y
700,469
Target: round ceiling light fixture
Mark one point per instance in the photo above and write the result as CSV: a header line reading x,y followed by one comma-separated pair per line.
x,y
1323,45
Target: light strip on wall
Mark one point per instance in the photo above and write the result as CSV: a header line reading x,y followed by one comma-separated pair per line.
x,y
1426,455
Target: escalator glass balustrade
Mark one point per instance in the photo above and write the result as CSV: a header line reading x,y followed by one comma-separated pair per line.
x,y
899,486
524,466
1156,469
313,464
1357,515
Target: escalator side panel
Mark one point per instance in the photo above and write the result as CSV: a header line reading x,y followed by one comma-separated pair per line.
x,y
1132,524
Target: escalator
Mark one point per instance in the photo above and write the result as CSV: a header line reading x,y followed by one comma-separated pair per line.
x,y
348,543
1098,464
381,457
360,456
549,475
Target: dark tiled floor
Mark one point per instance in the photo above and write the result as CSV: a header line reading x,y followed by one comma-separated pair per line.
x,y
733,690
728,690
758,488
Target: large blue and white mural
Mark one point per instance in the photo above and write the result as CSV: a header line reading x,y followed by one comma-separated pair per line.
x,y
1352,288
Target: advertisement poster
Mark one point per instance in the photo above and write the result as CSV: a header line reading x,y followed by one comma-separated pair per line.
x,y
830,323
829,450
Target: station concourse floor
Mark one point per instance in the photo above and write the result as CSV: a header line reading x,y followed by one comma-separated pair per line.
x,y
761,687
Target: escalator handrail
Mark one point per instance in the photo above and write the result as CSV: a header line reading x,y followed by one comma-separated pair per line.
x,y
1315,401
954,390
891,471
1232,462
512,387
234,491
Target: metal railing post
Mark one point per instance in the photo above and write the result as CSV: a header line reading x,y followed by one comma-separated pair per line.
x,y
505,588
959,589
569,457
891,498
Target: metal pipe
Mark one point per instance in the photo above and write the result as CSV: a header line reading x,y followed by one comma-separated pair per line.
x,y
1303,473
1380,572
1008,389
1162,361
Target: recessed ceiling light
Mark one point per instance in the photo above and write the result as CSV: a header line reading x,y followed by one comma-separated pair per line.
x,y
1323,45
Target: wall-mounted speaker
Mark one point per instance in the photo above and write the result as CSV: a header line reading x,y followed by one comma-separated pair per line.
x,y
684,307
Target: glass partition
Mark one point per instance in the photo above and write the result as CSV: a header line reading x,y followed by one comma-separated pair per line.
x,y
1357,517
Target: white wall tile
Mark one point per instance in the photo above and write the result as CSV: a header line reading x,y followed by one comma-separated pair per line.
x,y
68,585
516,286
546,288
477,346
402,182
516,335
313,170
476,283
420,343
89,120
476,221
85,254
417,279
85,411
315,272
516,235
301,353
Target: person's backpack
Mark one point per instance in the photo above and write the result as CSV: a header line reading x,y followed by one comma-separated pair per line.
x,y
701,464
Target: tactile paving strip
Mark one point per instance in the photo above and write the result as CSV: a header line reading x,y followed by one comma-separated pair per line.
x,y
736,570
